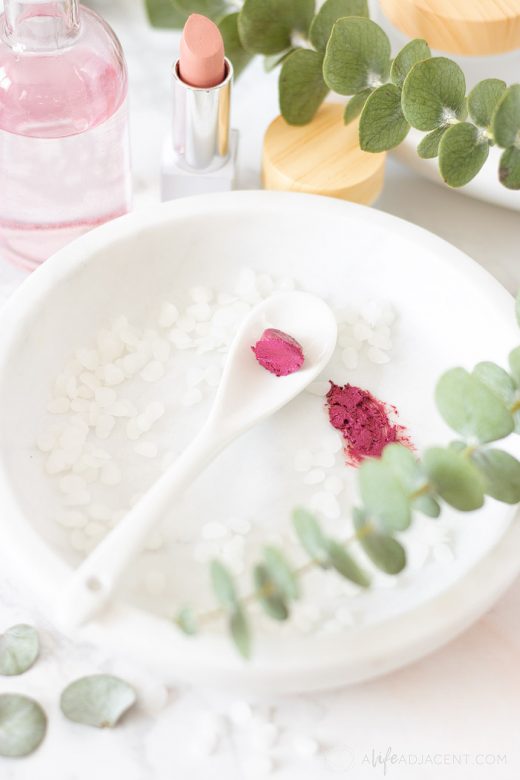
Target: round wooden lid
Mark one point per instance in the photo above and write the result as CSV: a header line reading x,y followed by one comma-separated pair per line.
x,y
322,158
470,27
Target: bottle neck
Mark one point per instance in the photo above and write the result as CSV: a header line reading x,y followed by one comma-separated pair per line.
x,y
41,25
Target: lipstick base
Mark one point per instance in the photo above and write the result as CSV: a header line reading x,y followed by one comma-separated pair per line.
x,y
178,182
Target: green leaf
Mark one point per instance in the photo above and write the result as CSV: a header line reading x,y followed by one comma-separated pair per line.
x,y
186,620
328,15
428,148
385,552
214,9
240,632
239,57
382,125
268,594
506,119
509,168
483,100
384,497
501,472
272,61
355,105
497,380
163,13
345,565
357,56
514,364
404,465
471,408
19,649
266,26
455,478
311,536
463,150
23,724
223,586
434,93
301,86
428,505
281,572
415,51
98,700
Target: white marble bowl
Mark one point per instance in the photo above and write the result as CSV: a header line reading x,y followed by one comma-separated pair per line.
x,y
451,312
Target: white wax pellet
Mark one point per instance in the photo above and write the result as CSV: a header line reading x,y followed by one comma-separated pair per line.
x,y
88,358
59,405
129,335
314,477
350,357
180,339
324,458
71,518
46,441
263,736
133,430
110,474
85,392
362,331
110,346
72,483
95,528
214,530
192,397
240,713
71,387
105,396
388,313
168,314
240,525
381,338
161,350
378,356
56,462
153,371
201,294
224,298
302,460
80,405
334,485
372,311
186,324
78,498
104,426
304,747
100,512
147,449
154,411
113,375
201,312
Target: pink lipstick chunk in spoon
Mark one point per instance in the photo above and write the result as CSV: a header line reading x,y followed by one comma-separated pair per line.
x,y
202,57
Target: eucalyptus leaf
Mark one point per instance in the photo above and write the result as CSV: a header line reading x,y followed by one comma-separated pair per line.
x,y
501,472
311,536
463,150
496,379
301,86
239,57
281,573
328,15
434,93
415,51
19,649
471,408
355,105
385,552
455,478
428,148
240,632
382,125
357,56
514,364
404,465
384,497
163,13
23,724
483,100
509,170
345,565
223,586
427,505
268,594
506,119
186,620
214,9
267,26
98,700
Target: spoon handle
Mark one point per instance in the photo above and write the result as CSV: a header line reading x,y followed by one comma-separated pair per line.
x,y
94,580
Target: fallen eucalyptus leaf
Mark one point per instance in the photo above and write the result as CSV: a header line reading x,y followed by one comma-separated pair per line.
x,y
223,586
282,573
455,478
357,56
311,536
415,51
509,170
186,620
506,119
382,125
268,593
240,632
501,473
328,15
98,700
355,105
19,649
302,89
463,150
384,497
496,379
23,724
483,100
433,93
514,364
428,148
427,505
345,564
384,551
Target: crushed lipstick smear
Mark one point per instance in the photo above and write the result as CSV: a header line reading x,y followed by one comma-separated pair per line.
x,y
278,352
366,423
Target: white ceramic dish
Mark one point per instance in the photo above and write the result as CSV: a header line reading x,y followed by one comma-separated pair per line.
x,y
451,312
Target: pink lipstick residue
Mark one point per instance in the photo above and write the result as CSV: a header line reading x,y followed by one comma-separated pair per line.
x,y
366,423
278,352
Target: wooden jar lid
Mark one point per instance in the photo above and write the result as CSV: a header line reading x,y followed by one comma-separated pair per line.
x,y
322,158
468,27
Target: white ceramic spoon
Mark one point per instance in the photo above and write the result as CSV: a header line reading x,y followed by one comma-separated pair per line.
x,y
247,395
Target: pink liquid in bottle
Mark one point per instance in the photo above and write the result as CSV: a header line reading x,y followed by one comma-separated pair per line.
x,y
64,151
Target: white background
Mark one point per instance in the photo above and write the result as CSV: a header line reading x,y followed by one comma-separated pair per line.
x,y
452,715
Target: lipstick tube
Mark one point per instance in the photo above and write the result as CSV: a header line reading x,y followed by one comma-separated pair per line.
x,y
199,155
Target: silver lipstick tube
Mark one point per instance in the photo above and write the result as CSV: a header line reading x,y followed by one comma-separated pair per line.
x,y
201,122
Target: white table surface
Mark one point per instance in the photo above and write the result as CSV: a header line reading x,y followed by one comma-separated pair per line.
x,y
452,715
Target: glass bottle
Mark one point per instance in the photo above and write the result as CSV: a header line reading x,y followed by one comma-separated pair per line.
x,y
64,148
